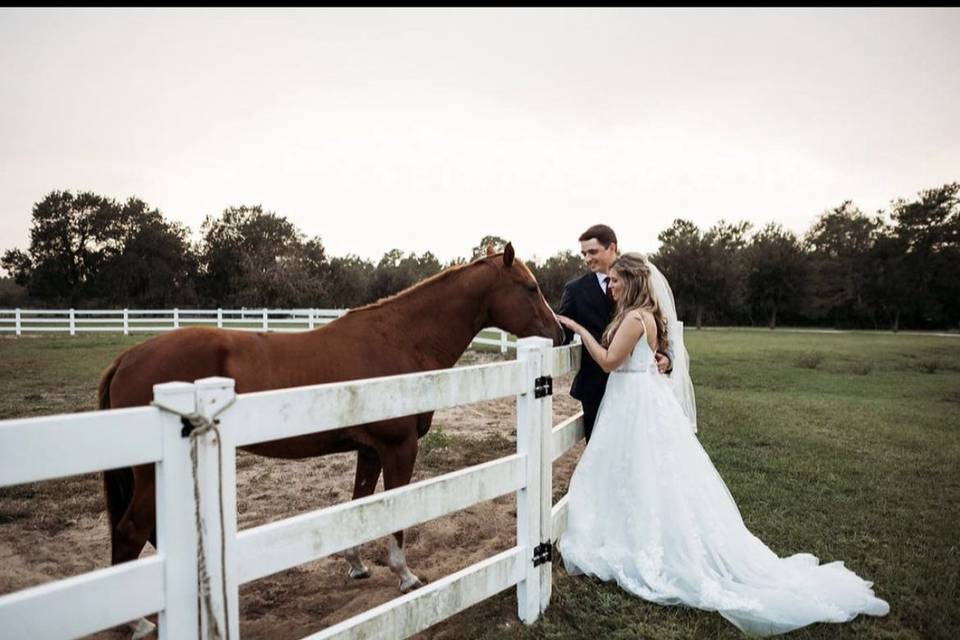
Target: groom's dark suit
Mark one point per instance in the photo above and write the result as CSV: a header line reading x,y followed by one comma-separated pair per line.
x,y
584,301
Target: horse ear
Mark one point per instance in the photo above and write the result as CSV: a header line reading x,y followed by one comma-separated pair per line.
x,y
508,254
490,250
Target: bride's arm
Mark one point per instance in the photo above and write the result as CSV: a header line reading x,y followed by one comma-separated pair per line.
x,y
624,340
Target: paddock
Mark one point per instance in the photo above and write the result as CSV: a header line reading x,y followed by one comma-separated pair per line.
x,y
166,583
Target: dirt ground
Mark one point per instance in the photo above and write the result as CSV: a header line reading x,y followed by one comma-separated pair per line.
x,y
59,528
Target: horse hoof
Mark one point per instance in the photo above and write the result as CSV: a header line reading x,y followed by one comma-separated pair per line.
x,y
142,628
359,574
406,586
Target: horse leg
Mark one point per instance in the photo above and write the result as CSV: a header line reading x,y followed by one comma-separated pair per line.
x,y
133,531
138,521
364,484
397,471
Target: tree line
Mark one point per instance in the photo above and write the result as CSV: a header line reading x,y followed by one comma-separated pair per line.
x,y
849,270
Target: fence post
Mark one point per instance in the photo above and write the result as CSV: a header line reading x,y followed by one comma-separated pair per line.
x,y
126,322
503,341
176,318
73,323
529,498
264,318
219,318
310,321
19,328
217,471
547,364
176,525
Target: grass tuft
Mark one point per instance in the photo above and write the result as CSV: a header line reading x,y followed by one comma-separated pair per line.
x,y
810,360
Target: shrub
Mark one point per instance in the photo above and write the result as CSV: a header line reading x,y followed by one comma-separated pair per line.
x,y
435,439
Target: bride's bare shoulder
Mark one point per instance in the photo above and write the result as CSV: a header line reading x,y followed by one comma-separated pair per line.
x,y
642,315
646,318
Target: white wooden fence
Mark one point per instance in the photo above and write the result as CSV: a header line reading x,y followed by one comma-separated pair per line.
x,y
127,321
35,449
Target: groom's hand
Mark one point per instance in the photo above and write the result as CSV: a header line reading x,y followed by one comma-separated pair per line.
x,y
663,362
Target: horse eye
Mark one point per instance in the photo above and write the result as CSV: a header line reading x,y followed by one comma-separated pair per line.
x,y
532,288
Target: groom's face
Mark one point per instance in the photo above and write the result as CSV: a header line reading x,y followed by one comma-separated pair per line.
x,y
597,257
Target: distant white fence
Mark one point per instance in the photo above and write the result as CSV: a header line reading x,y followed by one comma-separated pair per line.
x,y
74,321
35,449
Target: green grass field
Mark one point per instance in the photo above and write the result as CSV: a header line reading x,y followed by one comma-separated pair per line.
x,y
843,445
846,446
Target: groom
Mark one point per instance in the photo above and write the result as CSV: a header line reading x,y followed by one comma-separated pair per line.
x,y
588,301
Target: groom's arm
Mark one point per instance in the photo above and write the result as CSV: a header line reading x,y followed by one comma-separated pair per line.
x,y
568,308
664,361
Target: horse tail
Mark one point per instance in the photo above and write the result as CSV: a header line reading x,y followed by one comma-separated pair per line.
x,y
103,389
117,483
118,488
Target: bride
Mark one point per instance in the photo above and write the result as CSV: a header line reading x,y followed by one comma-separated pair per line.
x,y
648,509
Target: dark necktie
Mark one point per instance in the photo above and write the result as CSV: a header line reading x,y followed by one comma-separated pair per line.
x,y
606,281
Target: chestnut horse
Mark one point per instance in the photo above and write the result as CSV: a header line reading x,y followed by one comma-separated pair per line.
x,y
427,326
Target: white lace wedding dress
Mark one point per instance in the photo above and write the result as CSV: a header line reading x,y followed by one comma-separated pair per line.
x,y
648,509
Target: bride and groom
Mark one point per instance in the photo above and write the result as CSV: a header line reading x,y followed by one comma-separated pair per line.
x,y
647,508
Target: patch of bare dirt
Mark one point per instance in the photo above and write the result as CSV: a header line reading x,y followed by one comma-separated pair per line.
x,y
56,529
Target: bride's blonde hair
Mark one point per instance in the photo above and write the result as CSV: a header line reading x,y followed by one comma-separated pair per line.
x,y
635,293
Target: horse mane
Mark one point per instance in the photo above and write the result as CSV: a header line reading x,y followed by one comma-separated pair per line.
x,y
442,275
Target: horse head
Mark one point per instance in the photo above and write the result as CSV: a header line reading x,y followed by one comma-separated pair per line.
x,y
515,302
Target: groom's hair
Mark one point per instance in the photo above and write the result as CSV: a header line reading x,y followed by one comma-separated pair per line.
x,y
602,233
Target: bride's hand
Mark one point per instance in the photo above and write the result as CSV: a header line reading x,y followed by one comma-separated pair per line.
x,y
570,324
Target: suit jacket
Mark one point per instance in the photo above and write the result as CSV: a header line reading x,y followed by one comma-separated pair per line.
x,y
584,301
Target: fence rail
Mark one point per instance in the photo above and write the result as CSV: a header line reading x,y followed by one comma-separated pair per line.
x,y
127,321
35,449
133,589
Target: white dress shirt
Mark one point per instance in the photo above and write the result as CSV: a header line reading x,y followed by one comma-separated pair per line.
x,y
603,285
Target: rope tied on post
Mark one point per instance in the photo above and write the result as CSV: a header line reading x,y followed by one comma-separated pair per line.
x,y
195,426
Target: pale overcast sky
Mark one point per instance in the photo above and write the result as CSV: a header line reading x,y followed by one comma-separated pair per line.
x,y
425,129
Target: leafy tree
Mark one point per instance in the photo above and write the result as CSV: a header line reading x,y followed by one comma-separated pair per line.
x,y
150,261
257,258
776,271
840,245
726,271
349,282
929,228
395,272
69,238
889,287
705,270
295,278
19,265
481,249
85,247
555,272
157,267
683,258
12,294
